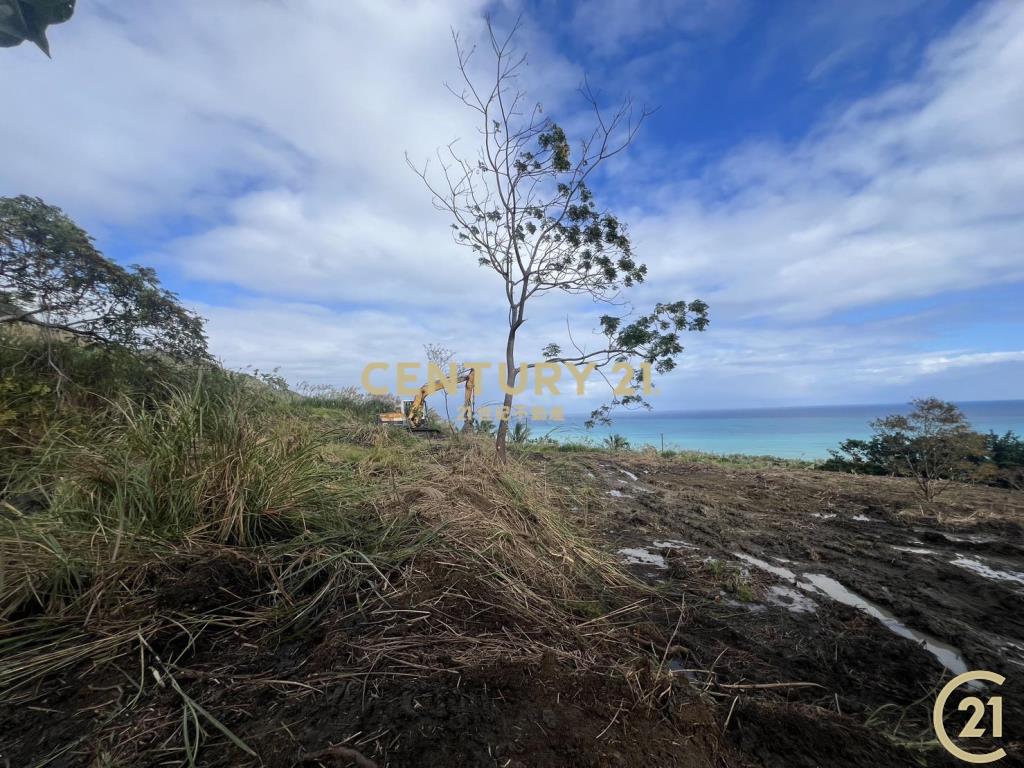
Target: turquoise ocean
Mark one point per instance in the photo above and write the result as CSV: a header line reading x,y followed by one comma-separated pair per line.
x,y
795,433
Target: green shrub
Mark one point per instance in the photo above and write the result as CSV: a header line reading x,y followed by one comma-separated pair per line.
x,y
206,460
616,443
865,457
574,447
349,399
1004,460
79,375
934,445
520,433
22,402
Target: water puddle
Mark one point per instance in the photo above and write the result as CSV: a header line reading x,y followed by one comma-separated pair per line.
x,y
751,607
678,666
674,544
972,538
916,550
641,556
947,655
651,555
818,583
988,572
1013,649
962,538
791,599
778,570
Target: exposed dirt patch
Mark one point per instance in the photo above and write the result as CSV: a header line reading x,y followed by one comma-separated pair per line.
x,y
296,703
755,556
444,676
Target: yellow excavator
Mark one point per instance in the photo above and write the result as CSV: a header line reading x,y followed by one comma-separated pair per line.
x,y
413,413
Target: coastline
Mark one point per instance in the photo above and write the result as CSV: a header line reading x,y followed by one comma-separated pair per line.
x,y
802,433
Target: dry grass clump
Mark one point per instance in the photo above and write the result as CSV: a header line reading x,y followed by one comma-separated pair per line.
x,y
91,510
501,574
156,530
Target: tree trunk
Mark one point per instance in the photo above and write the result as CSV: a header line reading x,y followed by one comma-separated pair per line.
x,y
500,442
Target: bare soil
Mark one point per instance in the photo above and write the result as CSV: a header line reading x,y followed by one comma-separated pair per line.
x,y
952,570
755,682
331,694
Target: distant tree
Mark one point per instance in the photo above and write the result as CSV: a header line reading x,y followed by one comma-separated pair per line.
x,y
520,434
439,355
22,20
1005,459
523,205
990,458
934,443
52,277
272,380
864,457
616,443
442,357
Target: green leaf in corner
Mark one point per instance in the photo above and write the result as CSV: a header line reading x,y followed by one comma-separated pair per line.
x,y
22,20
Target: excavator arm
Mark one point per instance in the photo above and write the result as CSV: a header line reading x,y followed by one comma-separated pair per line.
x,y
416,414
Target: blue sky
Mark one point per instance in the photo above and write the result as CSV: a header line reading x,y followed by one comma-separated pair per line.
x,y
842,182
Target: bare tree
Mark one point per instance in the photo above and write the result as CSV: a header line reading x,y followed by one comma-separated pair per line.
x,y
522,203
442,357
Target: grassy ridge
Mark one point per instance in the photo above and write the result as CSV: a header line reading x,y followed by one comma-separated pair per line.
x,y
149,513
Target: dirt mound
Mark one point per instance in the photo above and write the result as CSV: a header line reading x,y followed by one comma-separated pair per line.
x,y
498,716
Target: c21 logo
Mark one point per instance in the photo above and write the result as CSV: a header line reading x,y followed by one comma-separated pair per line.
x,y
986,717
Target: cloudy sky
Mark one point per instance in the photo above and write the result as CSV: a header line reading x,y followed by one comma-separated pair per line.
x,y
842,182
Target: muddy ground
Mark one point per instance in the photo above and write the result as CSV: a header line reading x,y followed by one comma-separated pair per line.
x,y
314,698
768,669
802,576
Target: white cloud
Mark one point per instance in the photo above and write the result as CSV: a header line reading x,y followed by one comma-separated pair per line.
x,y
608,25
928,364
312,343
916,191
756,366
159,102
294,245
826,42
277,132
282,127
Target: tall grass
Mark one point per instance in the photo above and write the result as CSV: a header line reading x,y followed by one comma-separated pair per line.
x,y
108,495
66,375
349,399
203,463
113,503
